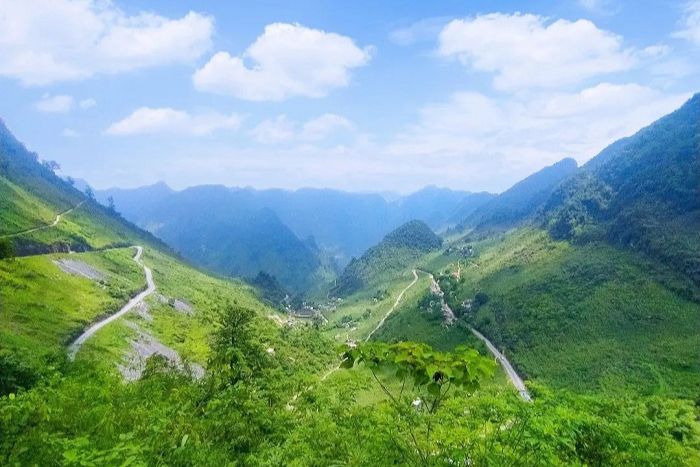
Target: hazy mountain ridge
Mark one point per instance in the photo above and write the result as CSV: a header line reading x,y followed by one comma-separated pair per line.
x,y
520,202
341,222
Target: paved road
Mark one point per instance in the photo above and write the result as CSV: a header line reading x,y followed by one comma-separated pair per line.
x,y
47,226
75,345
507,367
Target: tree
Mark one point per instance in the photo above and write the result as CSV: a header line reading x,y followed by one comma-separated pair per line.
x,y
237,354
6,248
53,166
111,205
89,193
433,375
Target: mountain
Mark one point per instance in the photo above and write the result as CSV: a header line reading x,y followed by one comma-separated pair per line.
x,y
33,196
433,205
520,202
212,227
641,193
343,224
397,251
136,204
468,205
201,372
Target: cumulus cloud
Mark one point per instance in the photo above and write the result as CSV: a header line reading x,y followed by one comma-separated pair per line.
x,y
535,52
46,41
147,120
283,130
691,23
55,104
287,60
519,135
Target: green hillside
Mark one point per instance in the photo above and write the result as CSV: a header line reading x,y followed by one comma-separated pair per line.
x,y
605,299
32,198
642,193
588,318
395,253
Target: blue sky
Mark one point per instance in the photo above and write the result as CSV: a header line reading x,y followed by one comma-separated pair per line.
x,y
361,95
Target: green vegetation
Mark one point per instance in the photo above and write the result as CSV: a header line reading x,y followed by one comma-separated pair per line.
x,y
20,210
43,307
641,193
606,337
246,418
589,318
399,249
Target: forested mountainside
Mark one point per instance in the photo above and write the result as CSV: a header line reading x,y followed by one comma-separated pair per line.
x,y
600,293
640,193
521,202
212,227
396,252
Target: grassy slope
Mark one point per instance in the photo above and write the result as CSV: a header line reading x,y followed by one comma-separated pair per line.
x,y
588,318
42,307
20,210
360,313
187,334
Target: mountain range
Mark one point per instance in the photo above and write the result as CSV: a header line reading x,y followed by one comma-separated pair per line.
x,y
580,284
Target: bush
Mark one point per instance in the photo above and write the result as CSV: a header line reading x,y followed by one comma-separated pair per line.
x,y
15,373
7,250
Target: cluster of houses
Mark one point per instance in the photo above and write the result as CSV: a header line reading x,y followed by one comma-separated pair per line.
x,y
464,251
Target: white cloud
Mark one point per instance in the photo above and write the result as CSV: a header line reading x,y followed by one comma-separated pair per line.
x,y
691,23
45,41
274,130
529,51
146,120
324,126
283,130
286,60
55,104
520,135
87,103
423,30
70,133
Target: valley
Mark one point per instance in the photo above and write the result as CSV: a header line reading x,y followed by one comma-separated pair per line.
x,y
564,333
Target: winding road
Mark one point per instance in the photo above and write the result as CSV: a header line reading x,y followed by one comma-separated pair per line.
x,y
381,323
396,303
505,364
47,226
507,367
151,287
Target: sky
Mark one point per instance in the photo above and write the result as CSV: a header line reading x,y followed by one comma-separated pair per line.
x,y
358,96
